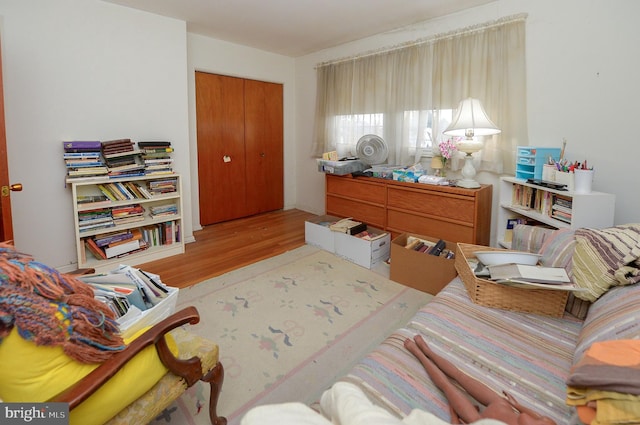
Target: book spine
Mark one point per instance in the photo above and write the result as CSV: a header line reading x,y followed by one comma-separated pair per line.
x,y
77,144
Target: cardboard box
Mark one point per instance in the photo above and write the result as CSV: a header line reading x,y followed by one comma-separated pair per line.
x,y
365,253
135,319
317,232
427,273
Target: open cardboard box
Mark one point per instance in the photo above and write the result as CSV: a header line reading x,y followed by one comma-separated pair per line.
x,y
425,272
317,232
364,252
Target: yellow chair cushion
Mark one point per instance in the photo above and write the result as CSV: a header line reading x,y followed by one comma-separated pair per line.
x,y
31,373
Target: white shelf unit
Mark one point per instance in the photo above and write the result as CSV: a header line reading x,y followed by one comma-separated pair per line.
x,y
595,209
89,187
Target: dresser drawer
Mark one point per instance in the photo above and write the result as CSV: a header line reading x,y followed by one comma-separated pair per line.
x,y
437,204
361,190
402,221
373,215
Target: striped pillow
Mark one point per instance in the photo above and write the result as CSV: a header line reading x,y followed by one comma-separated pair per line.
x,y
604,258
615,315
529,238
557,249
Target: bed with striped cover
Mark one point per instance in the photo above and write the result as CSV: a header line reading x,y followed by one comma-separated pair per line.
x,y
527,355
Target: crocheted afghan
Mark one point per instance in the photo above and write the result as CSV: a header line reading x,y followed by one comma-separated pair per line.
x,y
54,309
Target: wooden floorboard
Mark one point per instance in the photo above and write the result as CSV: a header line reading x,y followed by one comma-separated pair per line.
x,y
222,247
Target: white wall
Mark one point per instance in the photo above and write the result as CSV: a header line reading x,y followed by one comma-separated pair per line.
x,y
83,70
86,69
220,57
581,67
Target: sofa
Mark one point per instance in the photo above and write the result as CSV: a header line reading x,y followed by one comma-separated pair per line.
x,y
530,356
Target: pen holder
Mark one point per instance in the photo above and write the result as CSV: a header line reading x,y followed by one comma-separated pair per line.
x,y
551,174
583,181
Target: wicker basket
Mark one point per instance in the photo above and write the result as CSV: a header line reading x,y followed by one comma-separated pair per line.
x,y
490,294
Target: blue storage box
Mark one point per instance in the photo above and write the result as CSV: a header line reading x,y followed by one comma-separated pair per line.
x,y
530,161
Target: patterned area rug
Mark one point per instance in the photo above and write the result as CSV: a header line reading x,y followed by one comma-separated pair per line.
x,y
287,327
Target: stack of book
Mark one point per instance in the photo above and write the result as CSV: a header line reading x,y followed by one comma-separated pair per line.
x,y
126,214
156,156
122,159
157,211
84,159
126,287
115,245
349,226
159,187
562,208
99,218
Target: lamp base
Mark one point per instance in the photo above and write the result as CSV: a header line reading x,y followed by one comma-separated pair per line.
x,y
468,173
469,184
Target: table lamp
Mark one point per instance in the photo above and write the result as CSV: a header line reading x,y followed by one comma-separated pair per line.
x,y
470,120
436,165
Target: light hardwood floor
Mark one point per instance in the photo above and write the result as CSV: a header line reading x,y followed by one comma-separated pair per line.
x,y
226,246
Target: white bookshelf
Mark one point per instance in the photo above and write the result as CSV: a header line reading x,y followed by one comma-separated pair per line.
x,y
89,187
595,209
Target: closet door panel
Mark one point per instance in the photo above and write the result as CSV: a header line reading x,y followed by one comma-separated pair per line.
x,y
221,148
264,146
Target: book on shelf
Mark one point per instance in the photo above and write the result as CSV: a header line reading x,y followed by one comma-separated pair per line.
x,y
95,250
83,159
153,143
107,239
127,210
117,145
114,251
124,154
78,156
81,145
88,201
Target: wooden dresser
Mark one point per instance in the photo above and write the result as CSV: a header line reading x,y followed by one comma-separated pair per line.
x,y
454,214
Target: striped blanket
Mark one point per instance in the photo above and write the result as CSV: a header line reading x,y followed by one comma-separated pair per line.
x,y
527,355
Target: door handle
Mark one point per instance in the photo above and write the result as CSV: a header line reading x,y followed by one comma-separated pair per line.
x,y
17,187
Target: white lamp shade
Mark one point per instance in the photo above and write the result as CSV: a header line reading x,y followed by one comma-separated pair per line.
x,y
471,120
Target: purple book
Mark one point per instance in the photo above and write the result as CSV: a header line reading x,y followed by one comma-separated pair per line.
x,y
82,145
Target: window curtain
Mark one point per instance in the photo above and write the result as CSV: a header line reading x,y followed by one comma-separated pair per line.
x,y
405,94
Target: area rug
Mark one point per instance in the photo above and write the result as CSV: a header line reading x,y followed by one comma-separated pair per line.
x,y
287,327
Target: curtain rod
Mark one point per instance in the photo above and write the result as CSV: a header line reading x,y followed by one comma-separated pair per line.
x,y
430,39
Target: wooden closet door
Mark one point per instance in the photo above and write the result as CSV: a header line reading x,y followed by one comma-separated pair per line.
x,y
221,148
264,146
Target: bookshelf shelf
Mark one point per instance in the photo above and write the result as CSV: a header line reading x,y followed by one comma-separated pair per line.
x,y
161,233
519,199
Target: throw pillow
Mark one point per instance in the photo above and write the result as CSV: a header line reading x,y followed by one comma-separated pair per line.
x,y
605,258
529,238
615,315
557,249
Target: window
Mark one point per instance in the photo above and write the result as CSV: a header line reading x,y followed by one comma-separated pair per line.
x,y
420,131
405,95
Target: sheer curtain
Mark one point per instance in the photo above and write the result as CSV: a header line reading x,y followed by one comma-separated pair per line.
x,y
407,94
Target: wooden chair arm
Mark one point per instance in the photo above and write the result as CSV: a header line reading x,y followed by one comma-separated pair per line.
x,y
190,369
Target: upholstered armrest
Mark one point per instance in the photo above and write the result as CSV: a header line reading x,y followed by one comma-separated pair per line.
x,y
190,369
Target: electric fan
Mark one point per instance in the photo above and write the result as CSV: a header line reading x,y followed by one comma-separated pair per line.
x,y
371,149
